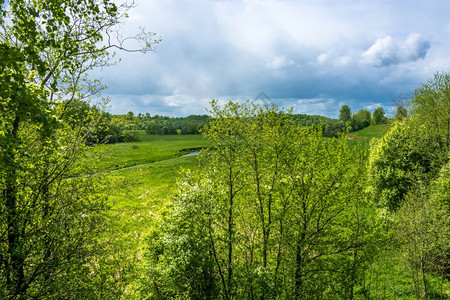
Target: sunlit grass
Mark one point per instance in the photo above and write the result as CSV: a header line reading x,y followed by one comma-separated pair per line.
x,y
148,149
373,131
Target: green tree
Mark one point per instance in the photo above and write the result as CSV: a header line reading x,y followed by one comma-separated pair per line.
x,y
431,106
361,119
378,116
423,231
398,158
274,209
49,213
415,149
408,175
345,114
401,113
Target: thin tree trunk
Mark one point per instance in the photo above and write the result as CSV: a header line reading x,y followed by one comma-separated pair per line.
x,y
298,273
230,235
15,262
299,264
424,279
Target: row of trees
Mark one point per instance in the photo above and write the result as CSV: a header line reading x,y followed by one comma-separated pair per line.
x,y
362,119
276,211
121,128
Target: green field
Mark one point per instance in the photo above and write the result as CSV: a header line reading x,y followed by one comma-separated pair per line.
x,y
138,178
373,131
148,149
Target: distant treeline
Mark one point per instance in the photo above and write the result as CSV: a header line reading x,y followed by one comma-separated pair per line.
x,y
347,120
111,128
122,128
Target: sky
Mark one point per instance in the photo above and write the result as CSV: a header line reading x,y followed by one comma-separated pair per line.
x,y
314,56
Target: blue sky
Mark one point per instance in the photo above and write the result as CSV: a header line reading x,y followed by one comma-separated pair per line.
x,y
313,56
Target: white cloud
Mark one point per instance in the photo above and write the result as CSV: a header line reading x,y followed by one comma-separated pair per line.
x,y
388,51
322,58
279,62
372,107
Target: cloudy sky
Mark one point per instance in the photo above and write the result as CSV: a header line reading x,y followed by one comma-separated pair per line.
x,y
314,56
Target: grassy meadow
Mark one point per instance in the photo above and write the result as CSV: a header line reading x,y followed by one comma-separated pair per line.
x,y
373,131
138,178
148,149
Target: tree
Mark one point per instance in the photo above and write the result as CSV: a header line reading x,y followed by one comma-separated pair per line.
x,y
414,149
431,106
401,113
402,156
423,231
378,116
361,119
274,211
345,114
49,213
408,176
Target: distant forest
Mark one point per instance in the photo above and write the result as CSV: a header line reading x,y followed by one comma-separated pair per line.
x,y
119,128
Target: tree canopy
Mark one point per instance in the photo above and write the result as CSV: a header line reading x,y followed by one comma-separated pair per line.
x,y
378,116
345,114
49,214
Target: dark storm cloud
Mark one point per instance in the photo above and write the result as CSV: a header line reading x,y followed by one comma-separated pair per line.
x,y
315,56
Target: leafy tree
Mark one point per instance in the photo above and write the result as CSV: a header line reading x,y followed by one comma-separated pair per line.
x,y
431,106
408,176
378,116
401,113
361,119
415,149
402,156
423,231
345,114
273,212
49,213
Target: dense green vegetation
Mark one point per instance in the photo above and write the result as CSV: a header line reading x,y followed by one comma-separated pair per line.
x,y
276,211
269,209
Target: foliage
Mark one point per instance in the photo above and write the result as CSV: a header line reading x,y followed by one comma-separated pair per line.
x,y
423,231
431,106
345,114
415,149
50,215
274,210
378,116
360,120
160,125
402,156
409,176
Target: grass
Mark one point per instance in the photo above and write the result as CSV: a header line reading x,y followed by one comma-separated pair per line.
x,y
137,196
148,149
373,131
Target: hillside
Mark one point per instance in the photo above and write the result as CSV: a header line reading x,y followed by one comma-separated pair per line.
x,y
373,131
